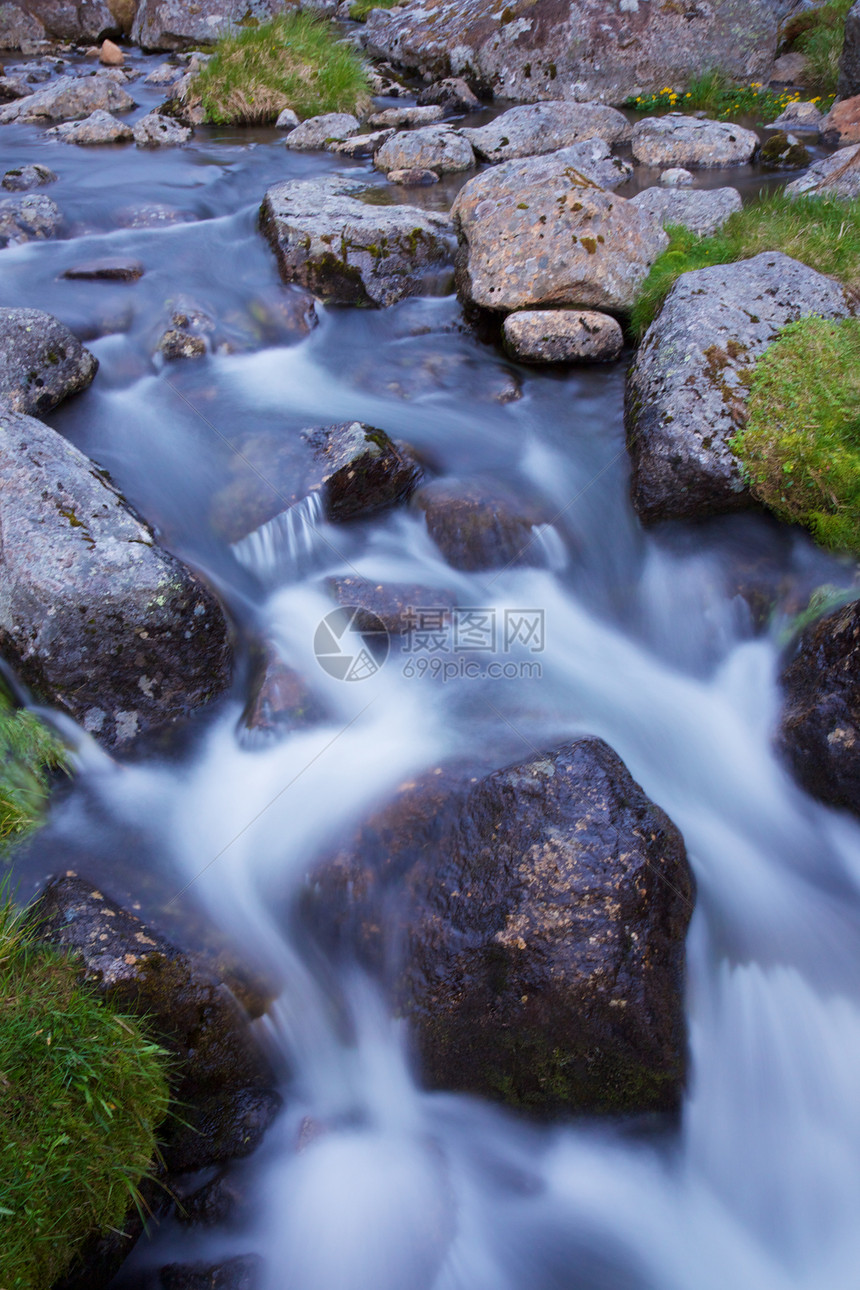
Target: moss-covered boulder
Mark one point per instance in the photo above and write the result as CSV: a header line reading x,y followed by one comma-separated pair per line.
x,y
530,924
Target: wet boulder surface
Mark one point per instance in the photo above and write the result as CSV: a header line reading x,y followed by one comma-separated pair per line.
x,y
94,615
479,524
819,731
30,217
530,924
41,361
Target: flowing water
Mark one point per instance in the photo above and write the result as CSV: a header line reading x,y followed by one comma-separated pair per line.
x,y
652,641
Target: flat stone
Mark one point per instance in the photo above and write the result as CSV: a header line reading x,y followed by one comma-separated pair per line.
x,y
542,232
105,270
676,177
157,131
361,145
71,98
414,178
399,117
703,210
23,178
394,604
99,128
686,396
562,336
32,217
530,131
790,69
351,251
835,176
320,131
676,140
435,147
41,361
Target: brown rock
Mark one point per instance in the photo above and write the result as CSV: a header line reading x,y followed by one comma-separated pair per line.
x,y
479,525
393,603
842,123
562,336
111,55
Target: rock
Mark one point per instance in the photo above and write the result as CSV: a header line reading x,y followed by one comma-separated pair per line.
x,y
82,21
532,922
319,131
10,89
401,117
101,127
676,177
152,215
820,726
562,336
177,343
287,120
789,69
242,1273
783,150
548,49
31,218
224,1124
414,178
545,127
23,178
110,55
157,131
19,29
178,25
214,1204
168,74
361,145
452,94
434,147
71,98
394,604
686,395
541,232
478,525
349,251
842,123
677,140
280,698
835,176
41,362
800,118
703,210
106,270
849,63
96,617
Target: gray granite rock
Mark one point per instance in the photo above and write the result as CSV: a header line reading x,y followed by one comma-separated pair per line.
x,y
23,178
434,147
41,361
100,127
849,63
31,217
677,140
562,336
703,210
320,131
157,131
530,131
71,98
835,176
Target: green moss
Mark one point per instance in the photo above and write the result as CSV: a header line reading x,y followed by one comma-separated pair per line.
x,y
359,9
819,37
29,755
83,1094
297,60
800,447
819,231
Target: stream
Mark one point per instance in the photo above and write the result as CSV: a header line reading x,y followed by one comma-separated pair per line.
x,y
651,640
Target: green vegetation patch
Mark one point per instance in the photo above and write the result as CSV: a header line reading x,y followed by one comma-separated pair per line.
x,y
800,446
295,61
722,99
359,10
819,231
29,755
818,34
83,1092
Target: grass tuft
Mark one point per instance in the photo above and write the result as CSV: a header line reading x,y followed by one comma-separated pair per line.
x,y
83,1093
818,231
29,755
295,61
800,446
359,9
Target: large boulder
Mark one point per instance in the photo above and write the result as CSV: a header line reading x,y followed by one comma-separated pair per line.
x,y
71,98
849,64
94,615
87,21
19,29
538,128
531,923
577,49
677,140
545,231
176,24
433,147
32,217
41,362
686,393
703,210
351,251
835,176
820,728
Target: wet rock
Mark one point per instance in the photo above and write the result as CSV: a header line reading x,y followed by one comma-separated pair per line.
x,y
452,94
320,131
287,120
106,270
677,140
31,218
541,232
436,147
676,177
849,63
686,396
820,727
414,178
413,371
280,698
176,343
100,127
394,604
41,362
562,336
178,25
703,210
71,98
242,1273
164,74
224,1124
542,49
835,176
401,117
361,145
783,150
479,525
157,131
110,55
10,89
842,123
538,128
96,617
212,1205
152,215
349,251
532,922
800,118
23,178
